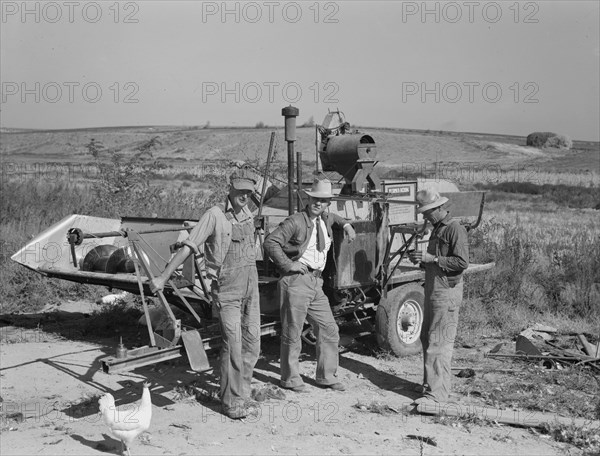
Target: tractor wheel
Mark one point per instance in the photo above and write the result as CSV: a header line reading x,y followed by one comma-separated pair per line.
x,y
399,319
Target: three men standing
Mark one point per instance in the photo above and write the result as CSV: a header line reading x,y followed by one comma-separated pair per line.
x,y
298,247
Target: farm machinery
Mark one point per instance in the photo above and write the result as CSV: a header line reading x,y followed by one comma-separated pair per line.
x,y
368,281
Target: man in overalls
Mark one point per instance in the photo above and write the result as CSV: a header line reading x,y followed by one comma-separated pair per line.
x,y
298,247
226,231
446,258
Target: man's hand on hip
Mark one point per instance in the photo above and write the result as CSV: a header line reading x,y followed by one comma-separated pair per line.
x,y
298,267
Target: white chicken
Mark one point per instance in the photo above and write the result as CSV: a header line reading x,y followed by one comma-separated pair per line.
x,y
129,422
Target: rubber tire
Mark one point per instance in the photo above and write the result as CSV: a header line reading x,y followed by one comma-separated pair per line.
x,y
386,327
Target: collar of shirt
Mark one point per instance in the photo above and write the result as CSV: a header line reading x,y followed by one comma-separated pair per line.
x,y
230,214
445,220
310,222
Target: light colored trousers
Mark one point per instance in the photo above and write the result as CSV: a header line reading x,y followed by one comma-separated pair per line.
x,y
440,321
301,298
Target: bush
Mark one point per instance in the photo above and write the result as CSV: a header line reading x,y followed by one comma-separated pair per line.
x,y
559,142
531,278
549,139
564,195
309,123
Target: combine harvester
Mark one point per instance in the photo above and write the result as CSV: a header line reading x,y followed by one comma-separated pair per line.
x,y
369,280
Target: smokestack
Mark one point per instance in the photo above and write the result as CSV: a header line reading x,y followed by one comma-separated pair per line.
x,y
290,113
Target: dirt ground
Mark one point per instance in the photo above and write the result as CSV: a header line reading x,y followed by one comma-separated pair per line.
x,y
54,384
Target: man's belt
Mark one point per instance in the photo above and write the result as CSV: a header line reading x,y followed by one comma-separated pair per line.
x,y
316,272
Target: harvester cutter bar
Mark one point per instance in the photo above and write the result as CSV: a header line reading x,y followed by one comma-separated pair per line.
x,y
144,356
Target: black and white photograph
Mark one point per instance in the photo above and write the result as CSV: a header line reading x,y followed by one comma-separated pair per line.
x,y
300,227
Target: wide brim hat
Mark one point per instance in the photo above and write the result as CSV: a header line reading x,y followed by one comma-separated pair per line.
x,y
320,189
429,199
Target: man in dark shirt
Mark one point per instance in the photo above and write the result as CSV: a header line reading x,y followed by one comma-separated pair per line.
x,y
446,258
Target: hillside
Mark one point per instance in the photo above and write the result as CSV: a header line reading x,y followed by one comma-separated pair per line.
x,y
444,154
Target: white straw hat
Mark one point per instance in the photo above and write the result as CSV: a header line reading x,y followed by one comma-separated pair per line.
x,y
429,199
320,189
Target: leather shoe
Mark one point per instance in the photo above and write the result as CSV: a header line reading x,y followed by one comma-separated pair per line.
x,y
339,386
237,413
295,389
422,388
427,401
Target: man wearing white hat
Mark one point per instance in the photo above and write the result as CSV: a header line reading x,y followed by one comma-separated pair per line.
x,y
227,233
446,258
298,247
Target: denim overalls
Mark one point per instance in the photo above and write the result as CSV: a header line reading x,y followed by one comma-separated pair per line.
x,y
236,298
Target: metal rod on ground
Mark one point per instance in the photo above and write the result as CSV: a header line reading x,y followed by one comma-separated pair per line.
x,y
558,358
515,417
485,369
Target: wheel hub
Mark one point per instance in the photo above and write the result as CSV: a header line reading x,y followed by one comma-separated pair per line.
x,y
410,319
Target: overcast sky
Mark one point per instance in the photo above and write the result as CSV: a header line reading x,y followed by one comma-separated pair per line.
x,y
494,67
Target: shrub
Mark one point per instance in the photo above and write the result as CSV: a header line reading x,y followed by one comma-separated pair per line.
x,y
548,139
559,142
533,277
572,196
309,123
538,139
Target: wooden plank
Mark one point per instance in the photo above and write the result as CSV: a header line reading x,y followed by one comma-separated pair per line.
x,y
514,417
405,274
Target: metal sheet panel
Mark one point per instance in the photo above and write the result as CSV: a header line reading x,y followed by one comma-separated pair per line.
x,y
402,191
356,261
157,244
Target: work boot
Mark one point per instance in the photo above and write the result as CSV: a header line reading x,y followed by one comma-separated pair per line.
x,y
236,413
422,388
295,389
339,386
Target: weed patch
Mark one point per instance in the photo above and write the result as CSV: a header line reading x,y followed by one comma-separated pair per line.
x,y
571,196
